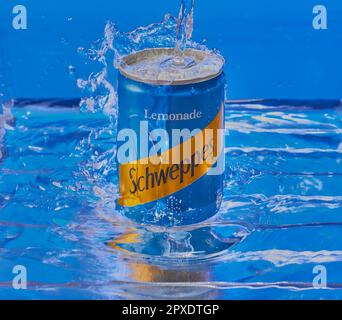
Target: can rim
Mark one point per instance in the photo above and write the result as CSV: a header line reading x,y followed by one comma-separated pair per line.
x,y
146,53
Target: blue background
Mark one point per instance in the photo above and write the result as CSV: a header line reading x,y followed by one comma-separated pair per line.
x,y
271,47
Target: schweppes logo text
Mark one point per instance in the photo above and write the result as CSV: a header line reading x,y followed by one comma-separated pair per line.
x,y
164,174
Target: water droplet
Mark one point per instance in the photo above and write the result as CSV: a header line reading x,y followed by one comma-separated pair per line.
x,y
71,69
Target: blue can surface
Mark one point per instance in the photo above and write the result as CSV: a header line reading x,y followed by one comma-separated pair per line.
x,y
166,176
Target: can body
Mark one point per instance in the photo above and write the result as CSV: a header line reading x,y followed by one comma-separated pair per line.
x,y
173,194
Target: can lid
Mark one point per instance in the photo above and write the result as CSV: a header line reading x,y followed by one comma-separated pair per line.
x,y
155,66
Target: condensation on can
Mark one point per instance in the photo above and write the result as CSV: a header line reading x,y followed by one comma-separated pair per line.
x,y
139,98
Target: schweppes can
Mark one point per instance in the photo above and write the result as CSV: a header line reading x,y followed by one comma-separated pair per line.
x,y
171,136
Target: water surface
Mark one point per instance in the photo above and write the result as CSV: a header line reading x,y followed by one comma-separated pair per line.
x,y
281,214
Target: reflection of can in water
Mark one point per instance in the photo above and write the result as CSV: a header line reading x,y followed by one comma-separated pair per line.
x,y
167,177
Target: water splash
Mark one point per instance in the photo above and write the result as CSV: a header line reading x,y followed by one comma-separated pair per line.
x,y
100,93
6,123
99,87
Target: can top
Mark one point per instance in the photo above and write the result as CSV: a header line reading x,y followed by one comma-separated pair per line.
x,y
156,66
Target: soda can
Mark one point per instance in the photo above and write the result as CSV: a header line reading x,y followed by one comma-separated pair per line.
x,y
170,137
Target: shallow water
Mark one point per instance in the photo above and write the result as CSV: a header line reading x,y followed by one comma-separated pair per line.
x,y
281,214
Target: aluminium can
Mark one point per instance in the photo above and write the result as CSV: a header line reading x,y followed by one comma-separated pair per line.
x,y
171,193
